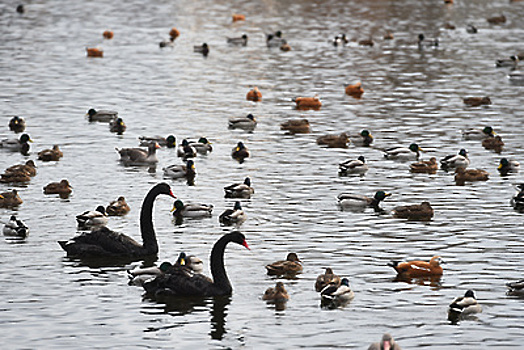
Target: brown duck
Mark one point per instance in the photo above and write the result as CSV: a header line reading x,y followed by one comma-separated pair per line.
x,y
476,101
422,211
296,126
494,143
334,141
254,95
277,294
291,266
62,188
425,166
355,90
327,278
118,207
53,154
462,175
10,199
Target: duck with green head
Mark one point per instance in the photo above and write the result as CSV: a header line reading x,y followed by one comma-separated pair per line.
x,y
202,146
403,153
191,210
348,200
478,134
17,145
507,166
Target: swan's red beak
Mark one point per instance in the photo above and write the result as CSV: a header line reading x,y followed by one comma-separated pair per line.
x,y
171,194
245,244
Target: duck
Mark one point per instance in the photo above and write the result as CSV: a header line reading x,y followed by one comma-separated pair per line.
x,y
103,242
10,199
185,150
327,278
248,123
203,49
92,218
418,268
516,77
20,9
238,17
17,145
15,177
424,166
62,188
94,52
348,200
334,296
29,168
511,62
403,153
17,124
363,139
179,171
366,42
469,175
448,25
139,156
241,41
15,228
235,216
276,295
254,95
478,134
340,40
423,42
169,141
389,35
422,212
118,207
508,166
202,146
274,39
305,103
515,288
476,101
284,46
139,275
104,116
517,201
240,190
108,34
291,266
296,126
353,166
334,141
496,19
191,210
460,160
53,154
464,306
191,262
174,33
177,282
167,43
387,343
494,143
471,29
117,126
240,152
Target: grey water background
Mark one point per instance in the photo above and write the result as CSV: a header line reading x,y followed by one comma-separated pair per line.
x,y
48,301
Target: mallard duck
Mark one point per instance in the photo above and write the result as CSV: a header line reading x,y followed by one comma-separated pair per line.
x,y
363,139
18,145
387,343
517,201
494,143
476,101
340,40
240,152
471,29
275,39
354,90
291,266
305,103
425,166
422,211
327,278
418,268
366,42
516,288
185,150
62,188
108,34
139,275
459,160
254,95
238,17
241,41
277,294
53,154
511,62
203,49
508,166
403,153
347,200
496,19
179,171
92,218
423,42
464,306
516,77
169,141
17,124
94,52
167,43
139,156
10,199
118,207
478,134
235,216
353,166
202,146
104,116
174,33
469,175
117,126
191,210
247,123
448,25
20,9
29,168
334,141
195,264
296,126
15,228
334,296
240,190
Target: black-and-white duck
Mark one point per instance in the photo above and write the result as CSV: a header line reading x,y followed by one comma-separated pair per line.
x,y
237,190
15,228
92,218
453,161
235,216
353,166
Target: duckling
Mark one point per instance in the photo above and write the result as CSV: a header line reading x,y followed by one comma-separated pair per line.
x,y
240,190
305,103
296,126
169,141
174,33
464,306
418,268
117,126
15,228
94,52
340,40
335,296
460,160
275,39
353,166
403,153
202,146
62,188
235,216
494,143
476,101
191,210
18,145
478,134
425,166
29,168
422,211
185,150
17,124
327,278
366,42
462,175
240,152
247,123
517,201
103,116
515,288
496,19
203,49
10,199
139,156
334,141
118,207
238,17
176,171
471,29
139,275
53,154
511,62
15,177
423,42
242,41
277,294
364,139
387,343
92,218
108,34
354,90
291,266
347,200
254,95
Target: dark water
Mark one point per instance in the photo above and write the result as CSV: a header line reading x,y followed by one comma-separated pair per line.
x,y
49,301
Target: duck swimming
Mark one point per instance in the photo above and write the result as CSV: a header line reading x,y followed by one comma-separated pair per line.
x,y
15,228
354,90
240,152
296,126
185,150
515,288
387,343
340,40
274,39
10,199
117,126
118,207
241,41
306,103
464,306
180,171
104,116
53,154
460,160
138,276
476,101
417,268
254,95
403,153
334,141
291,266
247,123
347,200
511,62
425,166
191,210
235,216
508,166
92,218
517,201
17,145
493,143
469,175
203,49
421,212
478,134
327,278
17,124
94,52
353,166
202,146
426,43
240,190
29,168
334,296
139,156
277,294
363,139
62,188
169,141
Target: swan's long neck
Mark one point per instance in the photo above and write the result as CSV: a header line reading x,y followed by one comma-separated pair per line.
x,y
218,271
146,223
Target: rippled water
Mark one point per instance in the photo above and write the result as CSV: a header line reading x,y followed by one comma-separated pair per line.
x,y
49,301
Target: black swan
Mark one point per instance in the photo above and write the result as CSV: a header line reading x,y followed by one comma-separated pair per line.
x,y
103,242
181,282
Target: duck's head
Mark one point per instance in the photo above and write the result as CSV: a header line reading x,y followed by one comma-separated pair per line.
x,y
121,199
65,183
381,195
240,145
119,121
470,294
91,112
237,206
421,37
278,34
190,164
24,138
177,205
463,152
365,133
415,148
362,159
488,130
293,257
244,36
204,140
436,260
185,143
344,282
503,163
247,181
31,163
204,46
166,265
13,218
181,259
101,209
250,117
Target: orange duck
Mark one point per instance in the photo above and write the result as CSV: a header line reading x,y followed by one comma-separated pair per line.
x,y
418,268
94,52
174,33
355,90
254,95
108,34
305,103
238,17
